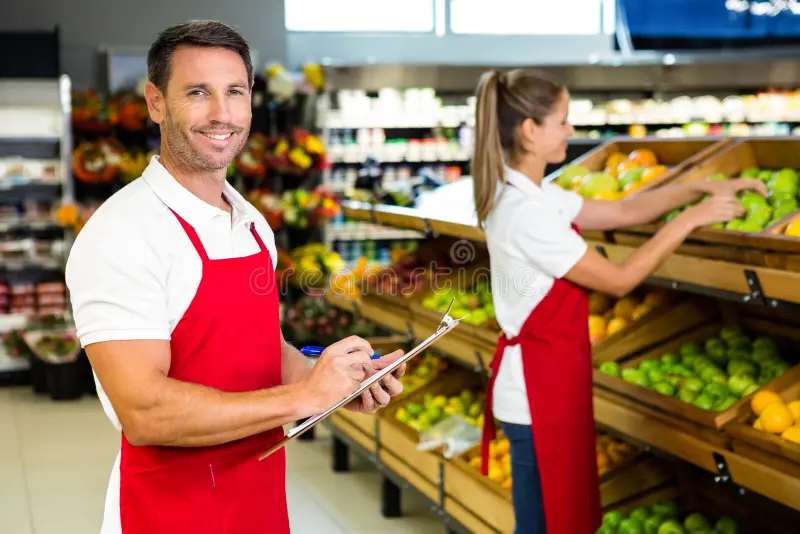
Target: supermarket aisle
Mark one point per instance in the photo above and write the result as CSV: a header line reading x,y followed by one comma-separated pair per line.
x,y
55,460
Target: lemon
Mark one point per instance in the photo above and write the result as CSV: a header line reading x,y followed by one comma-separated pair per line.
x,y
776,418
762,399
793,230
792,434
794,409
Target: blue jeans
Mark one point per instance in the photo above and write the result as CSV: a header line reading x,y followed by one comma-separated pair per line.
x,y
526,488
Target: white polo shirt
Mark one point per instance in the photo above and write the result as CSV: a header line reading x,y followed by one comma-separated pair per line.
x,y
531,243
133,271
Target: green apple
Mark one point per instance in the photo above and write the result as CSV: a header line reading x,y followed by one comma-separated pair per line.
x,y
777,199
643,380
750,390
670,358
764,354
782,184
784,209
739,383
691,348
734,224
629,177
649,365
597,182
696,522
724,403
687,395
652,524
716,390
738,367
665,388
739,342
569,173
612,519
682,370
656,375
715,349
764,343
700,363
610,368
765,175
673,380
668,509
711,372
752,226
750,172
640,514
717,177
630,526
749,198
788,174
730,331
739,354
630,375
671,526
605,529
704,402
414,409
672,214
726,525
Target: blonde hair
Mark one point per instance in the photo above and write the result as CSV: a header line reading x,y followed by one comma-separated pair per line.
x,y
504,102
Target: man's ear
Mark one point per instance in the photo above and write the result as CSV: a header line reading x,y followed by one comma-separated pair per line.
x,y
155,103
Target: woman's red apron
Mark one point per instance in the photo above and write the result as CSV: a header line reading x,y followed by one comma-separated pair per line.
x,y
557,364
228,339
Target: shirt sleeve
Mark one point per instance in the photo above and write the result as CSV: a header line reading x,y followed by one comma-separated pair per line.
x,y
545,240
117,284
570,201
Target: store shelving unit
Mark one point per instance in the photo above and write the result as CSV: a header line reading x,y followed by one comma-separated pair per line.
x,y
35,151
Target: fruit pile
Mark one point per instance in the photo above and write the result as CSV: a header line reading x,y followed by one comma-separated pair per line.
x,y
474,306
776,417
499,462
421,371
407,274
313,321
663,518
607,317
713,376
623,174
761,212
314,263
612,452
434,409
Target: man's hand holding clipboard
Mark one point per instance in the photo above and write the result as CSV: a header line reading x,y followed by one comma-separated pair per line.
x,y
353,364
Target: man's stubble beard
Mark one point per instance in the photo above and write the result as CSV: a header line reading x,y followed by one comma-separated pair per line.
x,y
188,155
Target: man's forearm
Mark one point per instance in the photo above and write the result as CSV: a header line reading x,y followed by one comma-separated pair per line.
x,y
183,414
294,366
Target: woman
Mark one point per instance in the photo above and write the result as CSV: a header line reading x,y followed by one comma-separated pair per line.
x,y
541,386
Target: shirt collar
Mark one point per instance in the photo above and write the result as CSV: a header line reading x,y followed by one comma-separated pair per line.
x,y
522,182
193,210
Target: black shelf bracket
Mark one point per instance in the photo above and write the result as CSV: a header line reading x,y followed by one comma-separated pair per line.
x,y
410,332
429,233
480,367
602,251
372,216
756,295
723,476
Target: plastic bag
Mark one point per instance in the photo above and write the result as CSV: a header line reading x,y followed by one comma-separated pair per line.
x,y
454,434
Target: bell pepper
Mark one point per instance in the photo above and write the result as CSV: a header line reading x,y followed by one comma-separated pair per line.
x,y
91,163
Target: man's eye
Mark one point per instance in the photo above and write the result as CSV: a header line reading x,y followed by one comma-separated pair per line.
x,y
236,92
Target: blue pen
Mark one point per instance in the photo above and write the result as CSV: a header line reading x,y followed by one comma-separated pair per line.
x,y
317,351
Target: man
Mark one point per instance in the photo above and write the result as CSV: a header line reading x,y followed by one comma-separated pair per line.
x,y
174,295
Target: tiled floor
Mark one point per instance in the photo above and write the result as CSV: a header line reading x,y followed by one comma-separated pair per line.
x,y
55,460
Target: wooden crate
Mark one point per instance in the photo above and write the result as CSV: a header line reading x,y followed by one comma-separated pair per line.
x,y
773,153
787,333
747,437
674,316
400,440
677,154
487,500
356,433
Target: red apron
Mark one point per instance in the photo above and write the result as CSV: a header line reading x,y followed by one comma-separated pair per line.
x,y
228,339
557,364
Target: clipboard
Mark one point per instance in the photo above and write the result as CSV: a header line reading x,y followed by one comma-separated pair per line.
x,y
446,325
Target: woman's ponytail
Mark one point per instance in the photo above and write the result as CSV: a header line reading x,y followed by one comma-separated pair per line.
x,y
488,161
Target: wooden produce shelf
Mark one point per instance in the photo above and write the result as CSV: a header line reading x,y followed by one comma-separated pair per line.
x,y
769,154
677,408
684,440
678,155
768,480
355,432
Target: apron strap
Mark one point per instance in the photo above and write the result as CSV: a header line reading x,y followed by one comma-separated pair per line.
x,y
258,237
193,237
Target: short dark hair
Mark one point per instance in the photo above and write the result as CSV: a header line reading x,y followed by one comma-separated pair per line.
x,y
208,33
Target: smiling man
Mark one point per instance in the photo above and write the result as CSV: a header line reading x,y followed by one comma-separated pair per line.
x,y
174,296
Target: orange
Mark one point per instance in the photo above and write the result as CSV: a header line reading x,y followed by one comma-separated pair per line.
x,y
794,409
640,311
615,325
503,448
599,303
776,418
637,130
475,463
496,474
762,399
597,327
793,230
643,157
633,186
655,298
625,306
507,484
651,173
613,161
606,195
792,434
628,165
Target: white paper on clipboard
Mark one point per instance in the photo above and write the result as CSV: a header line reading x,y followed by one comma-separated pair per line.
x,y
450,324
